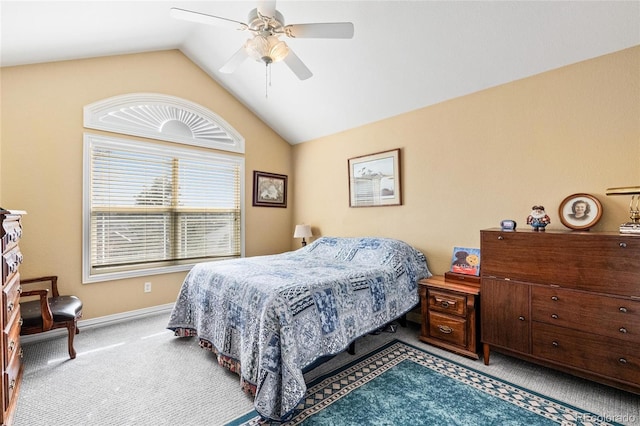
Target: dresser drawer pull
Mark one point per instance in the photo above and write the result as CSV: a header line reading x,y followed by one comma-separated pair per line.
x,y
521,318
20,321
19,289
554,298
623,245
10,307
445,329
447,304
12,384
555,344
12,345
622,361
500,237
623,330
554,316
622,309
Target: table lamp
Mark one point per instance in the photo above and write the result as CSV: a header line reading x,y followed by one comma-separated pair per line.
x,y
632,227
302,231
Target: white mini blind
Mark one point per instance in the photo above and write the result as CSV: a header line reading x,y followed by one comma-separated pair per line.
x,y
152,207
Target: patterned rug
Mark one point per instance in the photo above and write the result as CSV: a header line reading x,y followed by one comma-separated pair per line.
x,y
399,384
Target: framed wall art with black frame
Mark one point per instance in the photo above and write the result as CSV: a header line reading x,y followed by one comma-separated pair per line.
x,y
374,180
580,212
269,189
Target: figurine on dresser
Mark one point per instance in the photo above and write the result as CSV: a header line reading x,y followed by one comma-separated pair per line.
x,y
538,219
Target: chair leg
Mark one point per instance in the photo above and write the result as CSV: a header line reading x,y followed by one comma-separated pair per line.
x,y
72,328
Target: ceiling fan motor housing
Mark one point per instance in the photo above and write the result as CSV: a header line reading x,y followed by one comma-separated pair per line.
x,y
269,24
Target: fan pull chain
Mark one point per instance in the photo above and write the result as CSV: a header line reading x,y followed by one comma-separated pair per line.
x,y
266,81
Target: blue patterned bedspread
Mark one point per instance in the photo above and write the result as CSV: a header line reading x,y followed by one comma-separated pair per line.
x,y
275,315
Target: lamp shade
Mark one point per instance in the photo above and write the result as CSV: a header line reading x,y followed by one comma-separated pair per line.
x,y
302,231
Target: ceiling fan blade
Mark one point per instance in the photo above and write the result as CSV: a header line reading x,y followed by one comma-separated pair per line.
x,y
297,66
267,8
203,18
320,30
234,62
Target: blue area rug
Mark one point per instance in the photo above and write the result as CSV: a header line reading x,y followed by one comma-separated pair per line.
x,y
399,384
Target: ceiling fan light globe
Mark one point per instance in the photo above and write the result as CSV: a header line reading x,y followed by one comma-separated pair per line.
x,y
278,49
266,49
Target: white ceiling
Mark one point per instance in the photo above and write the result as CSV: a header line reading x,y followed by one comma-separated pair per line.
x,y
404,55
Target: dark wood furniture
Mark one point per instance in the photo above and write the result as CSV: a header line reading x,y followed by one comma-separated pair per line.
x,y
566,300
449,318
50,310
10,349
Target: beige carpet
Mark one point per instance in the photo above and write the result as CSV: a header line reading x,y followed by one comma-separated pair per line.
x,y
136,373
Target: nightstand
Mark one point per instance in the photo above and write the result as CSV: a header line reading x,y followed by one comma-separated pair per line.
x,y
450,314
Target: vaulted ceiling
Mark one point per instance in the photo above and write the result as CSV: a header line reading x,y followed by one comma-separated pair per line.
x,y
404,54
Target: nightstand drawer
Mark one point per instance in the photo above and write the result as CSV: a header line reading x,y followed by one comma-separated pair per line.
x,y
447,328
451,303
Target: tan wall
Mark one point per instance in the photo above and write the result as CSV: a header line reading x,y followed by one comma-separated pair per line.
x,y
41,164
470,162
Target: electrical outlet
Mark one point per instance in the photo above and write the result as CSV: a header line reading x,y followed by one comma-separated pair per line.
x,y
147,287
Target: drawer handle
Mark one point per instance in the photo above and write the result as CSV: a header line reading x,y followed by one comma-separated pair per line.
x,y
554,298
445,329
521,318
623,309
554,316
12,345
622,361
19,289
12,384
500,237
555,344
623,245
10,307
623,330
20,322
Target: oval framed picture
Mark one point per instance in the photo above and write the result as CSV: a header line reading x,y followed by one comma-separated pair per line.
x,y
580,211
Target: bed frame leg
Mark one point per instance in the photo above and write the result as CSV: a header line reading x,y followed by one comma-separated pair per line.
x,y
352,348
403,320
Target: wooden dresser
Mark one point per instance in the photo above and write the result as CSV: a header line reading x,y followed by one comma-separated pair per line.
x,y
10,350
566,300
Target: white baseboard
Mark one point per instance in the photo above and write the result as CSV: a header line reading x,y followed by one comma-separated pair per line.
x,y
100,321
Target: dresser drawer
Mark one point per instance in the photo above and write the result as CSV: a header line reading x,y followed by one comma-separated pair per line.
x,y
11,232
590,261
607,316
10,380
11,339
11,260
613,358
444,301
448,328
11,297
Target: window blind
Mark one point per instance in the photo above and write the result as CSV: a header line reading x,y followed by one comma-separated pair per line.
x,y
151,206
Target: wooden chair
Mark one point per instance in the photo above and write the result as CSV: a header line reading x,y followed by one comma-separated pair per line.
x,y
49,313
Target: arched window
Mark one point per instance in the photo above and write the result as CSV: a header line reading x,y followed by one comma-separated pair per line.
x,y
150,207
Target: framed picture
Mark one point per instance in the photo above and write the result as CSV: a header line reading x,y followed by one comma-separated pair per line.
x,y
466,261
374,180
580,211
269,189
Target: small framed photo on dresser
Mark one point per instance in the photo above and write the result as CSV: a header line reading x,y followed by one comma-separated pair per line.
x,y
580,211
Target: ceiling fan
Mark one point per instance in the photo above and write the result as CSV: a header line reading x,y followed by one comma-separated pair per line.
x,y
267,25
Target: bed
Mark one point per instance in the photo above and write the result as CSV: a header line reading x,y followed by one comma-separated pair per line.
x,y
269,317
